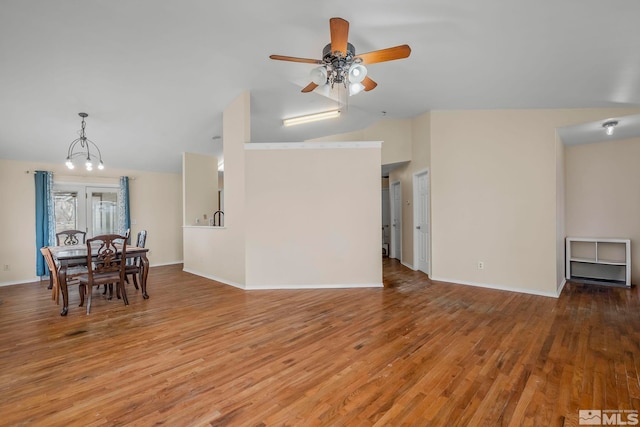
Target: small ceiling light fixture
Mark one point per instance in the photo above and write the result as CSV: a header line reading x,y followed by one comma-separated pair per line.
x,y
311,118
609,125
85,149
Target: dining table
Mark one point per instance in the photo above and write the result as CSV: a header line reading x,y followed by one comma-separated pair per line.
x,y
76,255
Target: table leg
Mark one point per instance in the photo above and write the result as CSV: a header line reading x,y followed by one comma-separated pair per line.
x,y
144,272
62,281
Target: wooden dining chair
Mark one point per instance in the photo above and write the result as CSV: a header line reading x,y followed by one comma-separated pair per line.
x,y
135,267
107,265
71,276
68,238
71,237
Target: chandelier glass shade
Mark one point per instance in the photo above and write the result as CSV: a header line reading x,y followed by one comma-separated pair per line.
x,y
84,149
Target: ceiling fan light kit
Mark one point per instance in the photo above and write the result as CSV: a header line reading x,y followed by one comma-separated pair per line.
x,y
341,65
357,73
319,75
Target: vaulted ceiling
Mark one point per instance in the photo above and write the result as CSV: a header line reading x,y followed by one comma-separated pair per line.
x,y
155,75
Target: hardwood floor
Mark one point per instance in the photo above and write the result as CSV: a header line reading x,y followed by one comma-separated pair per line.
x,y
416,353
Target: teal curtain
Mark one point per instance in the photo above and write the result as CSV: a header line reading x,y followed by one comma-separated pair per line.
x,y
124,216
45,218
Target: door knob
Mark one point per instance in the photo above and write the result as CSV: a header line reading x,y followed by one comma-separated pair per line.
x,y
418,227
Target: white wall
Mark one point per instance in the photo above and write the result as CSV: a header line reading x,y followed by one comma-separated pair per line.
x,y
396,134
200,188
155,202
602,197
215,252
495,196
313,215
277,229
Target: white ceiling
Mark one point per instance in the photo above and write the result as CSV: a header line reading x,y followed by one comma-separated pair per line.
x,y
155,75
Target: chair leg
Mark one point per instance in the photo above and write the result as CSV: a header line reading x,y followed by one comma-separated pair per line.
x,y
90,288
55,293
82,289
135,281
124,292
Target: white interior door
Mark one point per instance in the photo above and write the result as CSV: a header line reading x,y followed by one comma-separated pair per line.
x,y
421,221
396,221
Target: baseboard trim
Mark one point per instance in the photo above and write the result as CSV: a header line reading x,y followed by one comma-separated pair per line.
x,y
496,287
214,278
37,279
22,281
408,266
166,263
284,287
314,286
561,287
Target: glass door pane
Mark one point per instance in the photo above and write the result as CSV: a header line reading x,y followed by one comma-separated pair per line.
x,y
102,210
66,208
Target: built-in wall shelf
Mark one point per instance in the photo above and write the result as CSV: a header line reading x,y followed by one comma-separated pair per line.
x,y
599,260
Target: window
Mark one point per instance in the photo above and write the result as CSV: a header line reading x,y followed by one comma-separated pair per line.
x,y
66,207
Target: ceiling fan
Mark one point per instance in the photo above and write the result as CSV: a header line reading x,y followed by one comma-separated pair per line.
x,y
340,63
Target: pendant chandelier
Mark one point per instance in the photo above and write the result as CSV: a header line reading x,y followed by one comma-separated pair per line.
x,y
84,149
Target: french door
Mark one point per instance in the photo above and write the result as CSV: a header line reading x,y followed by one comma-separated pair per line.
x,y
90,209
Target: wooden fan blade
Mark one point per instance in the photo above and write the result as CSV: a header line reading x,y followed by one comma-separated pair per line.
x,y
369,84
309,88
294,59
339,35
382,55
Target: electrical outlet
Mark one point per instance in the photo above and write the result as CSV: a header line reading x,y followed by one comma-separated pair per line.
x,y
5,267
480,265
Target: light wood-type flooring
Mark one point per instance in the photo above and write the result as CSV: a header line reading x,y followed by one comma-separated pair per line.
x,y
415,353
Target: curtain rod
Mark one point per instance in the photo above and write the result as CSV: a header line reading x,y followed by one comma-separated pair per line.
x,y
132,178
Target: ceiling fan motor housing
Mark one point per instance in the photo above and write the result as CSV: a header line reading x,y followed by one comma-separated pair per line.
x,y
338,65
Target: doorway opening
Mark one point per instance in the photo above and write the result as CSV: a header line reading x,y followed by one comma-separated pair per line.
x,y
396,220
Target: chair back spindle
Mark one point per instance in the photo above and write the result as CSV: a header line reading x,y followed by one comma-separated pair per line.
x,y
70,237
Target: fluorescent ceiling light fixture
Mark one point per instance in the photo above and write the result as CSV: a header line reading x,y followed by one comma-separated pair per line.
x,y
609,126
311,118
